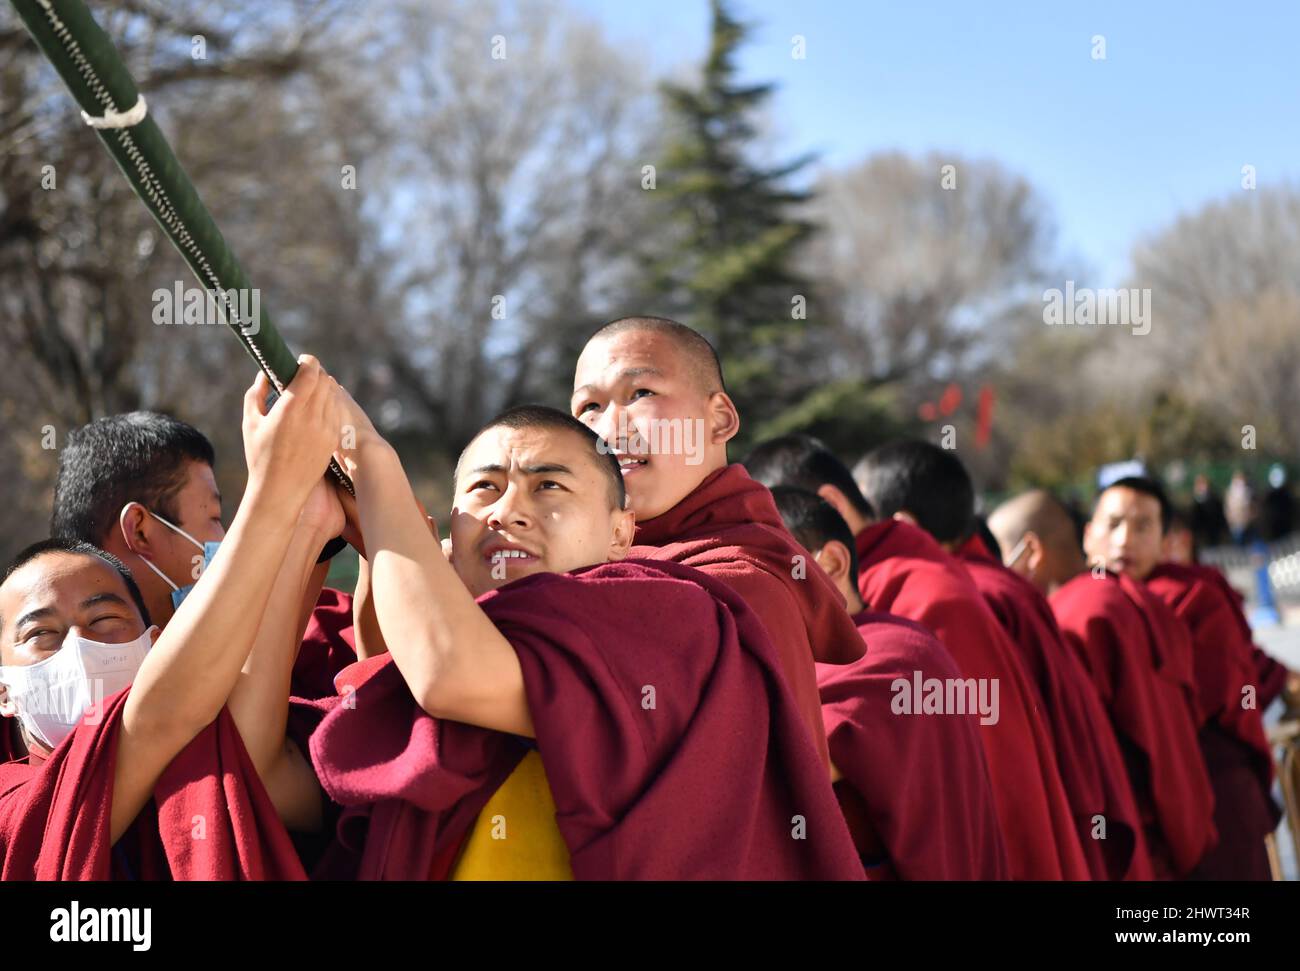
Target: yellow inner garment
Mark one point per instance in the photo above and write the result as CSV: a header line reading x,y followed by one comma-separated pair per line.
x,y
524,810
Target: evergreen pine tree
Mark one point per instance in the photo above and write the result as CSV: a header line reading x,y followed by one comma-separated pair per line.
x,y
732,231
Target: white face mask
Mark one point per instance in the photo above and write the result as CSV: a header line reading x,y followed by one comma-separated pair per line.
x,y
1016,552
52,695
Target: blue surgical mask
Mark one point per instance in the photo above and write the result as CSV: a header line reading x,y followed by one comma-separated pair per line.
x,y
209,549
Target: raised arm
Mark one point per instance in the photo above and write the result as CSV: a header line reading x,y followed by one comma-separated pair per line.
x,y
191,669
365,624
259,704
454,660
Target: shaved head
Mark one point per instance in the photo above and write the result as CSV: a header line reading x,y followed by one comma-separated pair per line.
x,y
698,354
1036,511
1039,538
652,389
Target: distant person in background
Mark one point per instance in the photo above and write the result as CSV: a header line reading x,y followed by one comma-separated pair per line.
x,y
1179,544
933,486
1207,519
903,571
1237,508
915,792
1124,535
1277,508
1139,656
1079,512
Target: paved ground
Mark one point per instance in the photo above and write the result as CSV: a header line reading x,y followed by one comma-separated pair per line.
x,y
1282,642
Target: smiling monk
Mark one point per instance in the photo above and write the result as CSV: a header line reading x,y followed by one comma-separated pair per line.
x,y
653,389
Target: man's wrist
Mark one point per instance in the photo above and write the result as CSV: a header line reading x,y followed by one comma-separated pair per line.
x,y
276,502
372,456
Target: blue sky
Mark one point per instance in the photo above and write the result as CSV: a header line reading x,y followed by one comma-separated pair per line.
x,y
1189,92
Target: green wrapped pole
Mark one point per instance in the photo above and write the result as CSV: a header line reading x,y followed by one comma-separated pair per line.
x,y
94,72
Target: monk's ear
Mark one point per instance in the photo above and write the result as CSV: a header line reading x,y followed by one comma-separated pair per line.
x,y
7,707
1089,541
624,531
724,419
834,559
837,499
1034,553
133,526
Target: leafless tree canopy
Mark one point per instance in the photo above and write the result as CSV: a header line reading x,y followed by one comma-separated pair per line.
x,y
477,172
1225,285
921,275
517,202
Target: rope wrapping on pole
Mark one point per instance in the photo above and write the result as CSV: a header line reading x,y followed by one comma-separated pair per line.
x,y
95,74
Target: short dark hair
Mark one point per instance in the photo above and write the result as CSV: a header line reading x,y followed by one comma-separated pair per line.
x,y
1147,487
814,522
806,463
922,479
139,456
702,355
980,527
76,547
543,416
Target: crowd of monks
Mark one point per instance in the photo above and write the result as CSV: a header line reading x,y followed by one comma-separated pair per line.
x,y
632,658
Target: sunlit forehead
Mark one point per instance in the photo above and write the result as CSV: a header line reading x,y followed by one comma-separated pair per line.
x,y
612,362
519,453
1126,505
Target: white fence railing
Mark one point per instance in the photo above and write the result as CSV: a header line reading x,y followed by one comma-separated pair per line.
x,y
1239,564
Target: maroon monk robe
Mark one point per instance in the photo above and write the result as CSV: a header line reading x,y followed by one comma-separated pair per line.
x,y
916,791
406,800
730,529
1270,675
54,815
1092,766
1221,657
328,646
1232,736
670,739
903,571
1138,656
